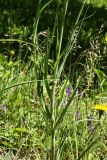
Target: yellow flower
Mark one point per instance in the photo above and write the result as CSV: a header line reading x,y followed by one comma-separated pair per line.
x,y
106,38
101,107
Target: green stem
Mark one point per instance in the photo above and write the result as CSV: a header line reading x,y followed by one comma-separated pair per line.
x,y
53,147
53,112
35,37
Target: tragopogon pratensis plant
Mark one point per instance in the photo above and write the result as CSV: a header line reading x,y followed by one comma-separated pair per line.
x,y
53,117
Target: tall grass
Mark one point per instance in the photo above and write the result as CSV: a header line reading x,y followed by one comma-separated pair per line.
x,y
42,116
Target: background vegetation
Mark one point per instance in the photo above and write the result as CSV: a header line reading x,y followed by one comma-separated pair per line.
x,y
53,71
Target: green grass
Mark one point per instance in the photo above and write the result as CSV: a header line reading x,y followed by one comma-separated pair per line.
x,y
44,114
98,3
24,131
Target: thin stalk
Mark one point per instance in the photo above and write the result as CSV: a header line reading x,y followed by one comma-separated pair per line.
x,y
76,142
53,147
22,83
53,34
39,11
35,39
53,113
62,28
59,39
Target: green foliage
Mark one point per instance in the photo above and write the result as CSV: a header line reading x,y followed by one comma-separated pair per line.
x,y
98,3
52,73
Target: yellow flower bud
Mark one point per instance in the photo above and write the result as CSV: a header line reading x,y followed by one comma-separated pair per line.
x,y
106,38
12,52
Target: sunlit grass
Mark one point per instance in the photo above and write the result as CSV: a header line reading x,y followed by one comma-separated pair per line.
x,y
45,116
98,3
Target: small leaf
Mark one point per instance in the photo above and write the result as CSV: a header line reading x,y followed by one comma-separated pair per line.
x,y
25,130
